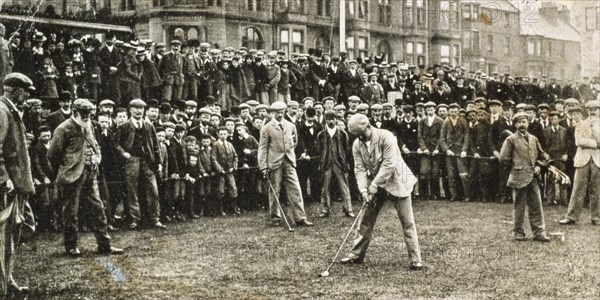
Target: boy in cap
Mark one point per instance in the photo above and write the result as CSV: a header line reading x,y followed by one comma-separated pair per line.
x,y
209,170
428,136
228,160
556,146
246,148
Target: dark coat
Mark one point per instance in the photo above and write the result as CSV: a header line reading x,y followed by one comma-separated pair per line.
x,y
307,142
455,137
496,136
407,134
225,154
14,160
480,139
429,136
124,136
343,150
56,118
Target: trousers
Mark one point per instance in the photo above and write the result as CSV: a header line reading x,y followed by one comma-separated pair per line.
x,y
286,175
137,170
530,197
586,181
335,172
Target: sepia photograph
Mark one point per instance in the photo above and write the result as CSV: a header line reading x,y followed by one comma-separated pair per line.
x,y
299,149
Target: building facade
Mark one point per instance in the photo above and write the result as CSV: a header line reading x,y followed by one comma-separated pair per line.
x,y
585,16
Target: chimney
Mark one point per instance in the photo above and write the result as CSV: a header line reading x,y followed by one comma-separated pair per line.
x,y
549,10
565,14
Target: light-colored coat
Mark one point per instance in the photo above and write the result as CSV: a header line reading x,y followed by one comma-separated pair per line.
x,y
523,154
276,145
14,158
382,165
587,138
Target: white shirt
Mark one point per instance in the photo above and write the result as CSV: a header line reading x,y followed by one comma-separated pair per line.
x,y
430,120
331,131
136,123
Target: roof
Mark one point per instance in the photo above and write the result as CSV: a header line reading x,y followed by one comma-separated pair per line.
x,y
557,29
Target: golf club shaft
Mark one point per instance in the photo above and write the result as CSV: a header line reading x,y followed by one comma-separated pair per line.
x,y
347,235
279,204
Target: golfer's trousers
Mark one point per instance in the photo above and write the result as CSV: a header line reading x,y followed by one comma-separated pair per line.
x,y
335,172
367,223
286,175
530,197
138,171
585,183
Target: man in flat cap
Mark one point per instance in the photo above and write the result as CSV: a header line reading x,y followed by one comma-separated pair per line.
x,y
351,82
381,175
16,181
170,69
277,162
587,167
556,146
136,141
521,150
75,155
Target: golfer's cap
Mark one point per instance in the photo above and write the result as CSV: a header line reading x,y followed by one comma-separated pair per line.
x,y
83,105
592,104
18,80
519,116
191,103
137,103
204,110
278,106
571,101
107,102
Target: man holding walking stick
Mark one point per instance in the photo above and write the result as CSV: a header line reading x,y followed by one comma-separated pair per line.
x,y
277,162
381,174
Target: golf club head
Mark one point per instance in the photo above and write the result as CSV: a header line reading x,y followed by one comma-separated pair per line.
x,y
291,229
323,274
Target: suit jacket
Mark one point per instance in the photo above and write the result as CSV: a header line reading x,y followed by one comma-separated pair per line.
x,y
587,137
351,85
124,136
429,136
170,68
382,165
67,150
438,98
522,152
407,134
40,165
454,137
14,159
207,161
277,144
555,142
55,118
307,142
107,59
225,154
498,128
342,150
480,139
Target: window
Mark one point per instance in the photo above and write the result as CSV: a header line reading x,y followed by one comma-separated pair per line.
x,y
284,40
455,55
252,38
179,34
592,18
530,47
204,35
538,47
562,50
475,40
420,13
444,14
549,49
363,9
324,8
490,43
507,69
295,6
507,18
454,18
363,46
127,5
507,45
214,2
466,39
409,48
298,41
466,12
385,49
445,53
385,12
192,33
421,61
254,5
407,16
420,48
350,47
322,43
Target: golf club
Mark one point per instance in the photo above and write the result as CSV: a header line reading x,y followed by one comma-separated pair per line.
x,y
326,272
290,229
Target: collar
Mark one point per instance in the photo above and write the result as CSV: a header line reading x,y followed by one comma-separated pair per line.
x,y
65,112
331,131
82,125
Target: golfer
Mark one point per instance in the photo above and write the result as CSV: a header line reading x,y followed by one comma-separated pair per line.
x,y
381,174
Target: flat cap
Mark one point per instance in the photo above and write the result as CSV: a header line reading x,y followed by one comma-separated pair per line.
x,y
18,80
521,106
293,104
82,105
430,104
519,116
543,105
278,105
480,99
329,114
376,107
252,102
204,110
339,107
191,103
34,102
175,42
559,100
328,98
576,108
244,106
107,102
495,102
508,104
353,98
137,103
420,104
170,125
571,101
442,105
592,104
454,105
362,107
388,105
262,106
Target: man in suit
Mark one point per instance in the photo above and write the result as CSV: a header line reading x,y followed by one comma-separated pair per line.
x,y
308,152
454,141
16,181
170,69
481,166
333,145
498,134
428,133
556,147
417,95
108,59
351,82
381,175
136,141
521,150
277,162
75,154
587,167
63,113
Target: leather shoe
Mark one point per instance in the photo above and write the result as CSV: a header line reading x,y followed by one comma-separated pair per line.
x,y
112,228
520,237
350,214
159,225
133,226
541,238
110,251
417,266
566,221
74,252
324,215
14,289
351,260
276,223
304,222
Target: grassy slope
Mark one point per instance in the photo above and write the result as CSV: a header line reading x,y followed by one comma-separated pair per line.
x,y
468,247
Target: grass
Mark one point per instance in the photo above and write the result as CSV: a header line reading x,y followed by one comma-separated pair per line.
x,y
467,246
